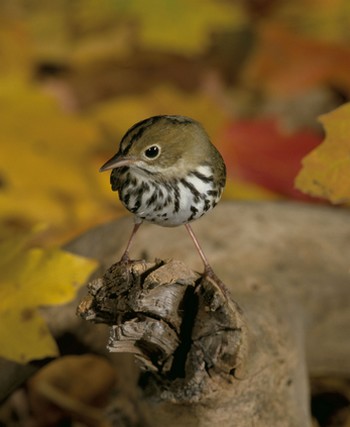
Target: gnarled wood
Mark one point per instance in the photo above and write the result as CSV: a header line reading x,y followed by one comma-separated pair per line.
x,y
184,332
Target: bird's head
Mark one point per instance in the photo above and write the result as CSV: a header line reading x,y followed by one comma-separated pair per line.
x,y
162,144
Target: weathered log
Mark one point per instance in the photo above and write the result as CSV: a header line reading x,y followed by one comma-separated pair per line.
x,y
183,330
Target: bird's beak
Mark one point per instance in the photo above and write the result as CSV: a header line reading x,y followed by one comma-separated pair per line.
x,y
116,161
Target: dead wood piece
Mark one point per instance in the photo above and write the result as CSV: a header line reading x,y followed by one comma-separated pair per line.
x,y
152,342
220,333
187,336
112,295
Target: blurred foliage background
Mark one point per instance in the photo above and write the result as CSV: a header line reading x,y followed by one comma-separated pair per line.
x,y
75,75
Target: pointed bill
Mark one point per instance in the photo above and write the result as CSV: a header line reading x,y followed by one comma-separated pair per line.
x,y
116,161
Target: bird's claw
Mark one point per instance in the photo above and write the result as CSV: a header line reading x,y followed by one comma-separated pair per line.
x,y
125,259
209,273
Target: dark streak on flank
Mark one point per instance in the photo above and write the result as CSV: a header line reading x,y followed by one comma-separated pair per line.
x,y
206,205
138,194
213,193
192,188
152,199
176,197
126,199
136,207
202,177
194,210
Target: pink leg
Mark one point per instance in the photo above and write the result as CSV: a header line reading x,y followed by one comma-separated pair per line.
x,y
208,271
125,256
207,267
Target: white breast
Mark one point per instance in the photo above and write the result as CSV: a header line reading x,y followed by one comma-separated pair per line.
x,y
172,203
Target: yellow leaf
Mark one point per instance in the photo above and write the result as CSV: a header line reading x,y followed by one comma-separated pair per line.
x,y
25,336
325,171
31,278
48,168
183,25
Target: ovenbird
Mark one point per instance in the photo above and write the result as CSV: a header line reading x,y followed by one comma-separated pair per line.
x,y
167,172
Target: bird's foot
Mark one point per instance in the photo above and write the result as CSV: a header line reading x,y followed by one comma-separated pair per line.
x,y
125,259
209,272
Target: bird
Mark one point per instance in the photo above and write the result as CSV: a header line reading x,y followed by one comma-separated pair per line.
x,y
167,172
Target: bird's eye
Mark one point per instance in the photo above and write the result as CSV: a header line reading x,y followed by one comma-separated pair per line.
x,y
152,152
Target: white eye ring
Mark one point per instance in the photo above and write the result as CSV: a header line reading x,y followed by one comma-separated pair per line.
x,y
152,152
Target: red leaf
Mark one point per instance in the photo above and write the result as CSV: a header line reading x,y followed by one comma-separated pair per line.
x,y
259,151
